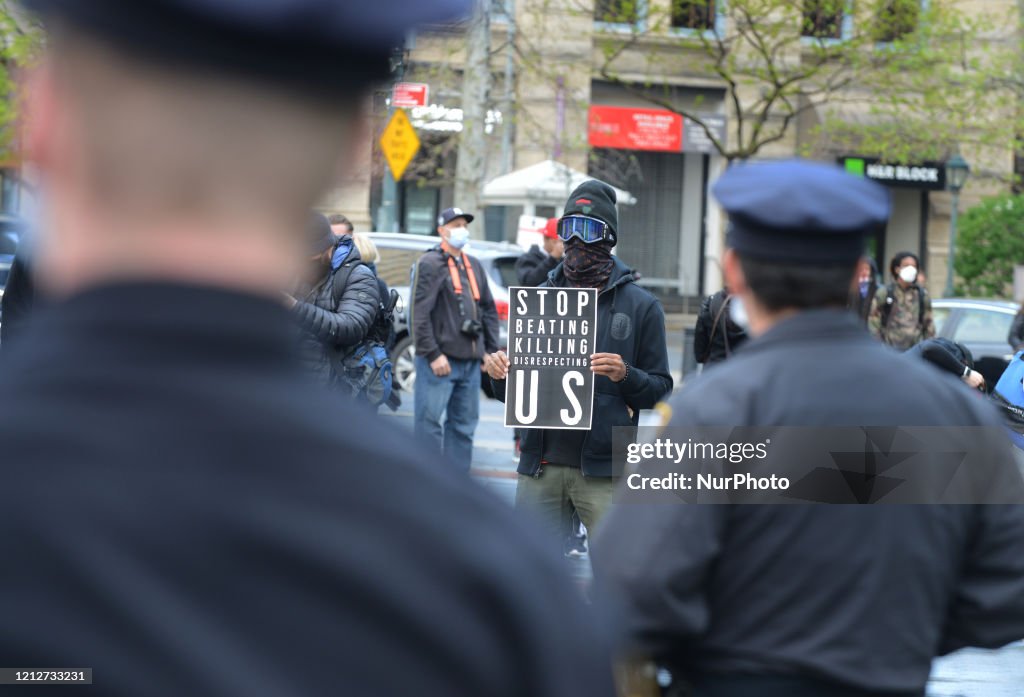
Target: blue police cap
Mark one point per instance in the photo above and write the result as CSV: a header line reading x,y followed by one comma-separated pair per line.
x,y
800,212
316,44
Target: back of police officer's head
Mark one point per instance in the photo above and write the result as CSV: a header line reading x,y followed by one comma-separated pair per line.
x,y
797,230
191,137
154,170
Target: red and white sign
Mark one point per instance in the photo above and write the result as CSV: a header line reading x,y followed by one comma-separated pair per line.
x,y
407,95
627,128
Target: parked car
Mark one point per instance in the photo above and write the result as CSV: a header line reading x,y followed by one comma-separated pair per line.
x,y
399,251
10,232
980,325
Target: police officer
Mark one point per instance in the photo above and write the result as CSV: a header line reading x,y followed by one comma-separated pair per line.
x,y
801,600
183,509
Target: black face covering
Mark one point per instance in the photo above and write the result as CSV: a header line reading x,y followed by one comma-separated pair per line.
x,y
588,265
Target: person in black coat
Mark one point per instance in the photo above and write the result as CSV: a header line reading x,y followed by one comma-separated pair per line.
x,y
533,267
557,467
185,510
951,357
336,309
813,600
716,335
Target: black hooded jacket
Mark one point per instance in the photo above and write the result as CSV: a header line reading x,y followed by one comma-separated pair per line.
x,y
639,337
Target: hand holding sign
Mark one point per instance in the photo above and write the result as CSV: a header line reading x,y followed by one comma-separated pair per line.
x,y
497,365
610,365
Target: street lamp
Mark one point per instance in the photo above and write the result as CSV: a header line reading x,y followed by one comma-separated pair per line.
x,y
957,171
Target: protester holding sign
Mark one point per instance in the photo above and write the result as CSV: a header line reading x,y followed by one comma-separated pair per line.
x,y
571,466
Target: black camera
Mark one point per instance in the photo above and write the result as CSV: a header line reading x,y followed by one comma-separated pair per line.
x,y
471,327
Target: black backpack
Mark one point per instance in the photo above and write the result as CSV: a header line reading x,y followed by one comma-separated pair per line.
x,y
366,367
890,299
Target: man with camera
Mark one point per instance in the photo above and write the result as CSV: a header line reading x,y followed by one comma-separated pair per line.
x,y
454,323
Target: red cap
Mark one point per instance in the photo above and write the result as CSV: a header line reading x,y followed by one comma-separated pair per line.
x,y
551,229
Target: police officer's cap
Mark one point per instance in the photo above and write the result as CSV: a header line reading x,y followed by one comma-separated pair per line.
x,y
318,45
800,212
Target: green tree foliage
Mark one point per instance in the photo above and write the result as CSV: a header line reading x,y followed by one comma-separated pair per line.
x,y
20,39
990,242
899,79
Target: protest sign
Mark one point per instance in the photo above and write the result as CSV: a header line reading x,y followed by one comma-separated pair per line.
x,y
551,334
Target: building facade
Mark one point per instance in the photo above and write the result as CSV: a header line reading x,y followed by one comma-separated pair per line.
x,y
599,86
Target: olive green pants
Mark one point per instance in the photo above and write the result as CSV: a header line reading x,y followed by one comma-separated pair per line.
x,y
550,497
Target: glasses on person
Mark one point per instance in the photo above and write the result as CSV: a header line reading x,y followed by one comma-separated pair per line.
x,y
588,229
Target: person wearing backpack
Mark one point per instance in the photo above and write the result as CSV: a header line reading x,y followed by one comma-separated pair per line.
x,y
901,313
370,256
716,335
335,305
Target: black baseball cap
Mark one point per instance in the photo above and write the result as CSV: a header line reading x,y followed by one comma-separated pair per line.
x,y
450,214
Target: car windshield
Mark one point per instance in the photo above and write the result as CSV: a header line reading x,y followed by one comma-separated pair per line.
x,y
502,271
983,326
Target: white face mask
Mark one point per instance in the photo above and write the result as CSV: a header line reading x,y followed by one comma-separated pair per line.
x,y
458,237
908,274
738,313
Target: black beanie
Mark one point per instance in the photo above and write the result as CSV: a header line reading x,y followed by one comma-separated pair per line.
x,y
320,237
596,199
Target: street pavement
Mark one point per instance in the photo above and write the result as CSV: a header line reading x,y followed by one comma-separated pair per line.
x,y
968,673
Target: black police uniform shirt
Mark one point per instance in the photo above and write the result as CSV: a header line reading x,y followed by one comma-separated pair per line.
x,y
187,513
864,596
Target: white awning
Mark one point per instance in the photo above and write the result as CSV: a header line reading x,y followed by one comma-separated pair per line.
x,y
546,183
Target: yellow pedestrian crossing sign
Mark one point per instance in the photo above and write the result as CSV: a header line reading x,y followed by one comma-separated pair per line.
x,y
399,143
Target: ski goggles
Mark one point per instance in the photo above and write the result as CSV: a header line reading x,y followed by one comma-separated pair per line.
x,y
588,229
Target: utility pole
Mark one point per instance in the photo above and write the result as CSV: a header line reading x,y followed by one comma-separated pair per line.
x,y
508,108
476,82
388,215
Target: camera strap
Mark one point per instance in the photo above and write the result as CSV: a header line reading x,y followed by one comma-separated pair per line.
x,y
457,281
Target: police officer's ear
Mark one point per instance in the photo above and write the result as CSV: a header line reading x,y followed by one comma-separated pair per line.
x,y
732,271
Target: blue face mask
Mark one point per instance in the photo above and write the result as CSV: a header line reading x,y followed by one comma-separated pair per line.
x,y
738,313
864,285
459,237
